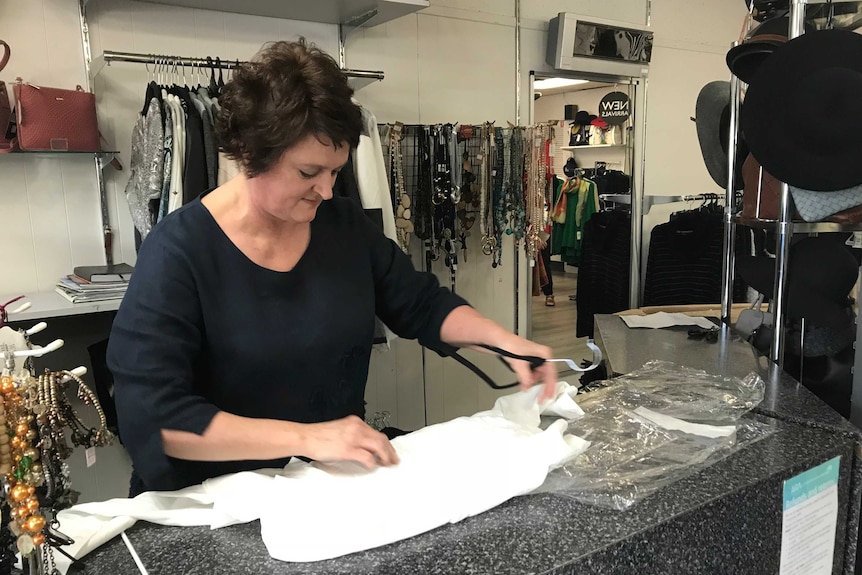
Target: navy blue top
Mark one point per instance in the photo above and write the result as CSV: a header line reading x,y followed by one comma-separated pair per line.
x,y
202,328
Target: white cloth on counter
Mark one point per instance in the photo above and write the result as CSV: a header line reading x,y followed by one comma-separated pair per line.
x,y
664,319
447,472
676,424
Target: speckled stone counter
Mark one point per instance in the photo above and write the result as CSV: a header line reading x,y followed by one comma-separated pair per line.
x,y
725,519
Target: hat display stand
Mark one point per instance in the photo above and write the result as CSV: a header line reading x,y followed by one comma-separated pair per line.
x,y
784,227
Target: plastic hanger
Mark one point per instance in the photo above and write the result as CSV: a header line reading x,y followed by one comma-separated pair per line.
x,y
534,361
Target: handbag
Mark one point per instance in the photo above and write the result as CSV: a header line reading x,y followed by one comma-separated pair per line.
x,y
6,144
53,119
753,319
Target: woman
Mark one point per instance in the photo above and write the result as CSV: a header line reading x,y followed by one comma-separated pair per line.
x,y
246,332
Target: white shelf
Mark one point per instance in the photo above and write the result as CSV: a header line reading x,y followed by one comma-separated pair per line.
x,y
580,148
325,11
51,304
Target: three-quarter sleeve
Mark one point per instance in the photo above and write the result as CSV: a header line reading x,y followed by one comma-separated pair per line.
x,y
154,344
412,303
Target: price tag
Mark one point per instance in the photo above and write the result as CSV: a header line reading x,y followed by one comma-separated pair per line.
x,y
90,454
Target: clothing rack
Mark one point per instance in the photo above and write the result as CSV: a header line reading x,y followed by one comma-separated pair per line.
x,y
98,63
650,201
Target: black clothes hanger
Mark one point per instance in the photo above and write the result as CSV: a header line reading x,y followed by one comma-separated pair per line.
x,y
220,75
212,87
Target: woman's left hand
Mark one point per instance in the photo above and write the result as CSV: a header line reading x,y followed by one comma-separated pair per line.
x,y
545,373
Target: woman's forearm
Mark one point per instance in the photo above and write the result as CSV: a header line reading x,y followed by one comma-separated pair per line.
x,y
232,437
464,326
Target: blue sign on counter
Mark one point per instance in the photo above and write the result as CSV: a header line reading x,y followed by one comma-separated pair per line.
x,y
810,517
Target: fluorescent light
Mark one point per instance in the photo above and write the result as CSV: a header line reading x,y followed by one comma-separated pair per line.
x,y
550,83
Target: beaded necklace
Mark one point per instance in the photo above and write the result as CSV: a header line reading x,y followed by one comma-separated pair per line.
x,y
501,153
423,205
403,226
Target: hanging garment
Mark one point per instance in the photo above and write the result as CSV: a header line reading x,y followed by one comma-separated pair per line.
x,y
195,181
346,186
370,170
462,468
210,147
146,166
603,276
582,203
685,261
179,151
168,145
227,169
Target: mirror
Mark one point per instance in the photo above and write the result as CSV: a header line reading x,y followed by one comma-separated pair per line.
x,y
588,205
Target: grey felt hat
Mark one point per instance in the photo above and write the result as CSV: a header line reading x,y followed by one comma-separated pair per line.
x,y
712,118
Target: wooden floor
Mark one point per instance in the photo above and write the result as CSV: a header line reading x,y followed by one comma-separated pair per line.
x,y
556,326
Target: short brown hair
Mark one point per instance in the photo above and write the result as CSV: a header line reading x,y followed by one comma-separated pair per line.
x,y
288,91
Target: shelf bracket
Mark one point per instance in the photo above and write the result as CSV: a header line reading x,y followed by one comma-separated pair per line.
x,y
348,27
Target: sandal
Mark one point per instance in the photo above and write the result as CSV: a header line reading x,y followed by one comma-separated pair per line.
x,y
549,301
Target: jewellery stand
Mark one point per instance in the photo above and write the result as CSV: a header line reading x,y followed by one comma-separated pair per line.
x,y
33,535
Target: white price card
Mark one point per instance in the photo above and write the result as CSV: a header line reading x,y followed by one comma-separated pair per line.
x,y
90,454
809,519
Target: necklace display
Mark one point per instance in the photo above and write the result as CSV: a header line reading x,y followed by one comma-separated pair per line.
x,y
35,418
537,178
443,178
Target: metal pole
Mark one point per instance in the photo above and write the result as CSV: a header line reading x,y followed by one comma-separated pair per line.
x,y
515,250
729,225
785,225
637,144
107,232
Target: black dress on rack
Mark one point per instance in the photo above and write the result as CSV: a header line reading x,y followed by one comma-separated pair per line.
x,y
603,276
685,260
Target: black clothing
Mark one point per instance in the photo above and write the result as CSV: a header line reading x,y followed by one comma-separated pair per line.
x,y
548,288
202,329
603,276
685,260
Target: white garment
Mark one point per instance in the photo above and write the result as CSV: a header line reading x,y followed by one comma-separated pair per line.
x,y
227,168
178,153
373,184
447,472
371,175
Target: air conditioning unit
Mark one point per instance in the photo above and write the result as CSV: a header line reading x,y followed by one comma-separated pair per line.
x,y
595,45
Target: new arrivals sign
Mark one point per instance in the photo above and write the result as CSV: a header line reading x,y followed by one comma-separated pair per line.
x,y
615,108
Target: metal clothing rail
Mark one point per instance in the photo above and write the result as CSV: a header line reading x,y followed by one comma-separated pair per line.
x,y
108,56
650,201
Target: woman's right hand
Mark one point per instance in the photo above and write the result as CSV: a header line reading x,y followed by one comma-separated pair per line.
x,y
348,439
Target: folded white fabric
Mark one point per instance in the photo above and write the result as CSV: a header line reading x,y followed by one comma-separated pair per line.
x,y
663,319
676,424
447,472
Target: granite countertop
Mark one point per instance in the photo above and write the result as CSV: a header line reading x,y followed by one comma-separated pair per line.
x,y
540,534
628,349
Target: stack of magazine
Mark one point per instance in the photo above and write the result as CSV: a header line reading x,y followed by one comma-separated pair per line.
x,y
95,283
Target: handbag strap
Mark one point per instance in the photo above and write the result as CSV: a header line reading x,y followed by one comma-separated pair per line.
x,y
7,51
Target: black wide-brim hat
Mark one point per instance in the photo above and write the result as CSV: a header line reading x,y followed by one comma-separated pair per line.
x,y
712,119
584,118
802,114
745,59
821,274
